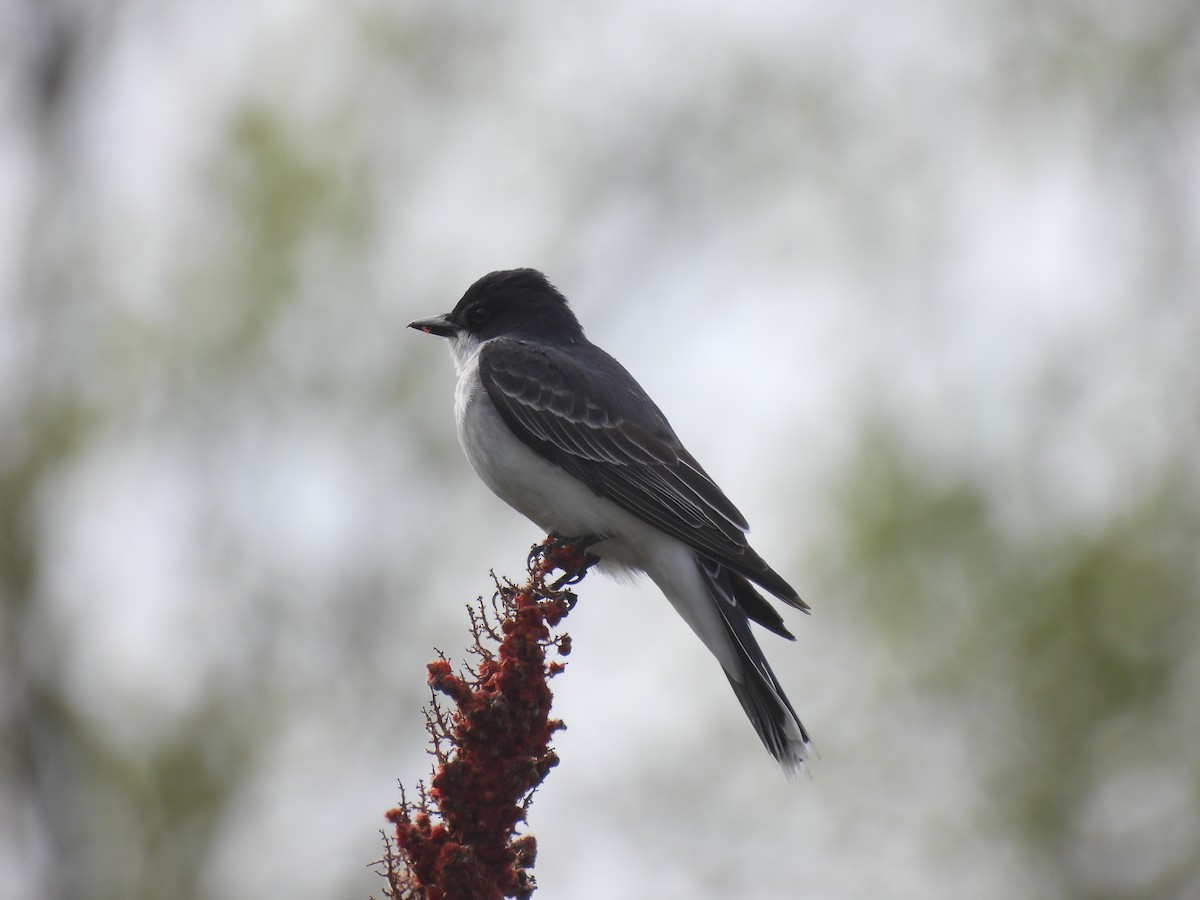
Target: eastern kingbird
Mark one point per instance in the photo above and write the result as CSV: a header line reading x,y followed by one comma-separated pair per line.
x,y
563,434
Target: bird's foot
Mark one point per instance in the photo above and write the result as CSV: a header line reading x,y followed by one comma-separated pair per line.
x,y
567,553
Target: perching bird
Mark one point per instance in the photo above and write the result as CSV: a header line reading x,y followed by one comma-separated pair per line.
x,y
562,433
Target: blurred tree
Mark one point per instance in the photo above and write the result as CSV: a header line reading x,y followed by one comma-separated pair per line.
x,y
1070,658
99,818
1033,160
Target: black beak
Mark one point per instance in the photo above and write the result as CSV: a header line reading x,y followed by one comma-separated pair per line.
x,y
439,325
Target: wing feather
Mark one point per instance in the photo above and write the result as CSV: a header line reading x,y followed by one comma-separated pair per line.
x,y
573,406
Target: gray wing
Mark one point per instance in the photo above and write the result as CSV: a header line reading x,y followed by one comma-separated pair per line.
x,y
584,412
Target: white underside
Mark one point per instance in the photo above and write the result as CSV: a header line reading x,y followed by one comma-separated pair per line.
x,y
557,501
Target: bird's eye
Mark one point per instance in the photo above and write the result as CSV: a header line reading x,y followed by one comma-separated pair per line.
x,y
479,315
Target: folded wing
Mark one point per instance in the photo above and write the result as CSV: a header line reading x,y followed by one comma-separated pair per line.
x,y
572,406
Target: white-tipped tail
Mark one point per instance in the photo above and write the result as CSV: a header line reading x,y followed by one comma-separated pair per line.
x,y
702,591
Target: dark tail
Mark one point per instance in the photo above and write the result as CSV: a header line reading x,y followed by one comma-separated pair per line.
x,y
756,687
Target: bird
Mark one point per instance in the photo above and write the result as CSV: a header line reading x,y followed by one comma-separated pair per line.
x,y
560,431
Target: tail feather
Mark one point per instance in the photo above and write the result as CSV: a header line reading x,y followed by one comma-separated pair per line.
x,y
752,680
754,605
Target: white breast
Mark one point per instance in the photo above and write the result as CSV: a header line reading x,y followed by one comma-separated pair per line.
x,y
538,489
557,501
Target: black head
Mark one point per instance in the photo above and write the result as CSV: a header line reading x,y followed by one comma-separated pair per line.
x,y
514,302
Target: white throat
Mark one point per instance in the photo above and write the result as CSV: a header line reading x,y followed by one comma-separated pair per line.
x,y
463,347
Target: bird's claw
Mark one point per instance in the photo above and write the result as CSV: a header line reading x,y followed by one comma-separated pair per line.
x,y
576,576
566,553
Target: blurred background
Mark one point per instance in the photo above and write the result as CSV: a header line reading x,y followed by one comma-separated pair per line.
x,y
951,253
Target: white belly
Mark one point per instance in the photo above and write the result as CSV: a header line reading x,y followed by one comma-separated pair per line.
x,y
556,501
536,488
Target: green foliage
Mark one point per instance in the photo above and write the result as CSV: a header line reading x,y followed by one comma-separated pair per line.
x,y
142,821
285,192
1068,657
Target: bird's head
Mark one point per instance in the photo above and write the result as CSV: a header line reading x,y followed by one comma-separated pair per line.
x,y
509,303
